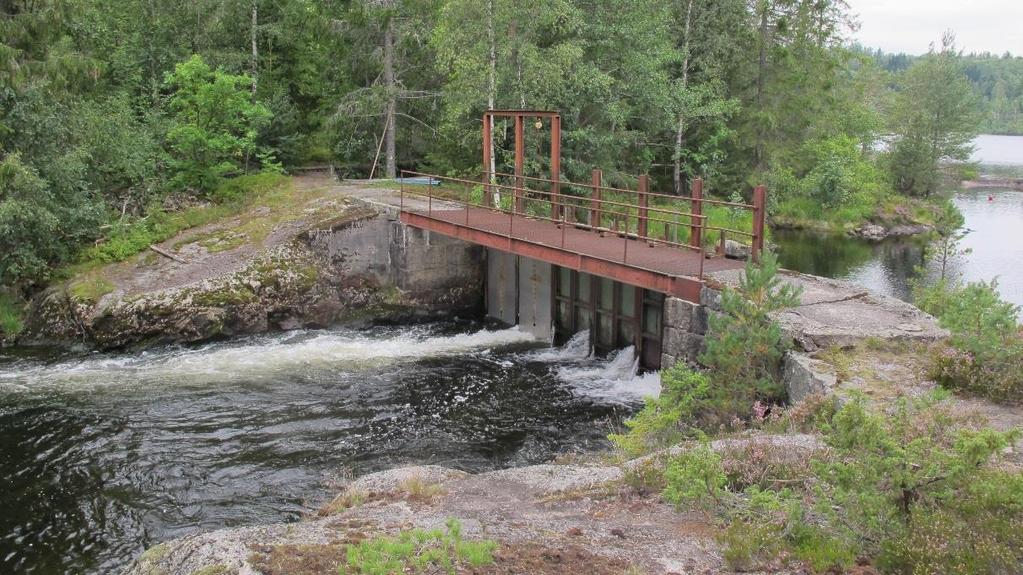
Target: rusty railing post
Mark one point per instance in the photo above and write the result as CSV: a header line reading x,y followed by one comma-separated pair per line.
x,y
596,179
641,227
696,208
759,215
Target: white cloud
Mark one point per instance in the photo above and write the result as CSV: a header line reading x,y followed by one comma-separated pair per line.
x,y
912,25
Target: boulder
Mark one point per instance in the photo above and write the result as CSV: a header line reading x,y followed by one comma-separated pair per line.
x,y
736,250
871,232
804,376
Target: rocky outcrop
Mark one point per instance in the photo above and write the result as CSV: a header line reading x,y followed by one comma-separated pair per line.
x,y
877,233
586,518
360,266
838,313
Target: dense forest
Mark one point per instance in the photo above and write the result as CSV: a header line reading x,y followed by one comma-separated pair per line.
x,y
112,111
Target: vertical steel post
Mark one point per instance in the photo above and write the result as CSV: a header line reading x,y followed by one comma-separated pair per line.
x,y
596,179
555,165
642,212
487,139
759,215
696,208
520,160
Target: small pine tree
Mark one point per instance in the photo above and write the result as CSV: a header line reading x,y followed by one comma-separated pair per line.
x,y
745,346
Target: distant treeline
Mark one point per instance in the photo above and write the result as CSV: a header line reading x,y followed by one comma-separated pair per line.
x,y
997,79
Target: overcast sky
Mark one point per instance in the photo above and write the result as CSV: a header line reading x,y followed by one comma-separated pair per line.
x,y
911,25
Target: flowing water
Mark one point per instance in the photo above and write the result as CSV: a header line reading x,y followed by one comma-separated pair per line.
x,y
102,455
993,243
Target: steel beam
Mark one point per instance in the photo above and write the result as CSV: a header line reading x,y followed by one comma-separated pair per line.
x,y
687,288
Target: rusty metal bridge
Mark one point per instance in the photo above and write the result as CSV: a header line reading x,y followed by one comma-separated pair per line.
x,y
658,242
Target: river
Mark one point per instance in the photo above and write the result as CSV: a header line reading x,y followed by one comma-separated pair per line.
x,y
993,244
102,455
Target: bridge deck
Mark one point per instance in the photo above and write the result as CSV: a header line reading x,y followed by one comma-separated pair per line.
x,y
667,269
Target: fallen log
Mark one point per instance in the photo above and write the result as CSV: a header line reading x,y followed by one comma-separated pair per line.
x,y
167,254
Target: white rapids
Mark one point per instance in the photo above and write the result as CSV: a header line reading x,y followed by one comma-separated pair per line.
x,y
615,379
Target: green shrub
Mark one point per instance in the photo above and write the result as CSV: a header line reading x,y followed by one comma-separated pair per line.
x,y
40,223
696,475
913,488
749,545
985,353
744,349
664,420
216,124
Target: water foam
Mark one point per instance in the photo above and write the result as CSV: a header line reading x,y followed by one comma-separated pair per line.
x,y
615,379
264,357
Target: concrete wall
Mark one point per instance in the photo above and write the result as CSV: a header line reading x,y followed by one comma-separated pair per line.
x,y
535,298
502,279
519,292
431,270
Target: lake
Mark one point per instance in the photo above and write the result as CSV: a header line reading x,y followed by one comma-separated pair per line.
x,y
993,243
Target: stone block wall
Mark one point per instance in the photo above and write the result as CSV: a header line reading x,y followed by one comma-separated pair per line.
x,y
685,327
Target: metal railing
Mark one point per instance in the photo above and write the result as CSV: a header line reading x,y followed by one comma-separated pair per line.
x,y
646,200
632,215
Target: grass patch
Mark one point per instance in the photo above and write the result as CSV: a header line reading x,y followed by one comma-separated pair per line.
x,y
155,553
419,490
90,289
418,550
11,315
350,499
216,570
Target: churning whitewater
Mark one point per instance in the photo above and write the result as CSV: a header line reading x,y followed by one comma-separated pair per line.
x,y
110,453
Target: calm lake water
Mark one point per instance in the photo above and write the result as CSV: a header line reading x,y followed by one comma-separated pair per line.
x,y
994,221
102,455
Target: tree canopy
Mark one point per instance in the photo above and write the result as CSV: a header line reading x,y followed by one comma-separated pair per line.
x,y
108,106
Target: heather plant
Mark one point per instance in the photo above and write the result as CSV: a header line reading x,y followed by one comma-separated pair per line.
x,y
913,489
984,355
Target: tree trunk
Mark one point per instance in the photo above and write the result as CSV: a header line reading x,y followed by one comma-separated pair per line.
x,y
392,104
680,132
255,47
758,151
513,33
491,87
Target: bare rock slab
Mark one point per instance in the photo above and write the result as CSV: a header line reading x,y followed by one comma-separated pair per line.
x,y
833,312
